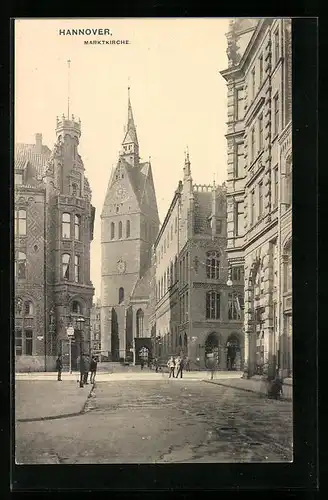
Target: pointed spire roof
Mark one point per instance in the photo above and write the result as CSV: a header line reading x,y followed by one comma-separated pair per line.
x,y
131,133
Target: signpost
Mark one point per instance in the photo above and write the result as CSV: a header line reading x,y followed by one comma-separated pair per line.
x,y
70,335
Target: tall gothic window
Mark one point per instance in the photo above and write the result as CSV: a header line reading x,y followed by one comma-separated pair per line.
x,y
120,229
140,321
212,305
276,46
234,312
66,225
112,230
252,144
77,268
213,265
20,222
128,229
120,295
65,265
77,227
20,266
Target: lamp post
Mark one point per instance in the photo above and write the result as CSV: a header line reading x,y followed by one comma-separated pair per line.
x,y
80,324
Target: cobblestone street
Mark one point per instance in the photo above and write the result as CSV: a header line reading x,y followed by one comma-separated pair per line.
x,y
162,421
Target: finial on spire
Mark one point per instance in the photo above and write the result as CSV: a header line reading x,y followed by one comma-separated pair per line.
x,y
213,179
68,85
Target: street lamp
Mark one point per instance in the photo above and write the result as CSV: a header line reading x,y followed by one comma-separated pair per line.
x,y
80,324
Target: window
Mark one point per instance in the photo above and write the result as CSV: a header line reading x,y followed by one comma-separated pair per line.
x,y
77,269
20,271
76,307
140,318
276,186
120,229
261,69
28,308
253,207
276,46
74,189
253,83
289,183
18,342
18,178
276,114
252,144
128,229
218,226
120,295
260,198
234,312
66,225
239,104
65,266
28,342
77,227
238,273
239,218
260,132
213,265
20,222
212,305
240,162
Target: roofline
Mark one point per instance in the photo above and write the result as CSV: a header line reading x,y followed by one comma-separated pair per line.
x,y
177,195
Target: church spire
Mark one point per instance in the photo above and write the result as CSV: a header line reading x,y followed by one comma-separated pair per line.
x,y
130,151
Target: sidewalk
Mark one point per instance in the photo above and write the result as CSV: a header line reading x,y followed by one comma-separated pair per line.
x,y
254,384
145,374
46,399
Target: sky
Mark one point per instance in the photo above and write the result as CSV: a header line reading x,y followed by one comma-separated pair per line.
x,y
178,96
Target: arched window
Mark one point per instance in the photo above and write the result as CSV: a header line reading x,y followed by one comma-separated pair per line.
x,y
28,308
20,266
20,222
112,230
120,295
77,268
65,265
76,307
77,227
289,182
128,229
120,229
66,225
212,305
140,319
213,265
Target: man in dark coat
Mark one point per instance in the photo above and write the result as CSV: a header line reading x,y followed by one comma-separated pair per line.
x,y
93,369
86,369
59,367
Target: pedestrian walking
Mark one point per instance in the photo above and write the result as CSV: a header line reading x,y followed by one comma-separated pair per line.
x,y
86,369
156,365
59,367
171,366
180,366
93,369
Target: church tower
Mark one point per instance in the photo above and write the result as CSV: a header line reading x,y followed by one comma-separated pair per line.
x,y
129,226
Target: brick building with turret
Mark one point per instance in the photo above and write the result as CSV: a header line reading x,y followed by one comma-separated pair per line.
x,y
53,227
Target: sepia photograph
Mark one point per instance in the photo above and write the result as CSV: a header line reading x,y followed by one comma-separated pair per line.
x,y
153,318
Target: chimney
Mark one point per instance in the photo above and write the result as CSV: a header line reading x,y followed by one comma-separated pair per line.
x,y
38,143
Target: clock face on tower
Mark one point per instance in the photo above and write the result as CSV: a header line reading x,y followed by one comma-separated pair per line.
x,y
121,193
121,266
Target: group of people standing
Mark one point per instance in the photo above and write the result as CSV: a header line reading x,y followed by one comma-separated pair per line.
x,y
88,364
177,365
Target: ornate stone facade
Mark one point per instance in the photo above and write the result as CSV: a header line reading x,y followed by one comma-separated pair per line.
x,y
261,191
53,197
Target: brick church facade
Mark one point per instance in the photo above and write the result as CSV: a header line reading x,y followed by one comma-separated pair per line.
x,y
53,228
129,226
